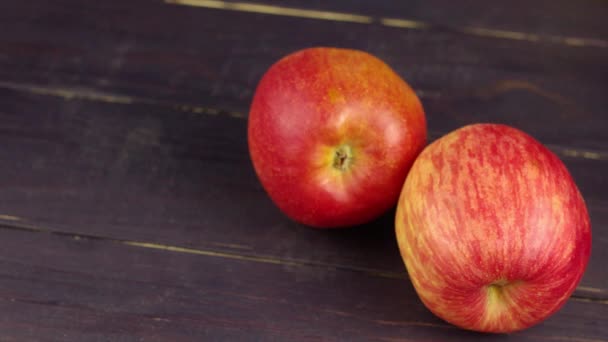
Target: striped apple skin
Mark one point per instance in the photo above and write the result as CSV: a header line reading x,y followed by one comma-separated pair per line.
x,y
493,231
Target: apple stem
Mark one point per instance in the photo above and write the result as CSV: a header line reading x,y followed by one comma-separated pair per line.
x,y
342,158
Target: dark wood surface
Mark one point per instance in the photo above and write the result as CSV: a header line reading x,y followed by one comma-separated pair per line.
x,y
129,210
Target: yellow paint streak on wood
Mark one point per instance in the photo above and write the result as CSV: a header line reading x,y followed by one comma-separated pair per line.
x,y
237,115
96,96
69,94
484,32
591,289
400,23
9,218
263,259
266,260
568,152
404,23
590,300
534,38
260,259
275,10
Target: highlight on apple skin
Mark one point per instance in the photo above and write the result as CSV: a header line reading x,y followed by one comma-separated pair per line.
x,y
332,134
493,231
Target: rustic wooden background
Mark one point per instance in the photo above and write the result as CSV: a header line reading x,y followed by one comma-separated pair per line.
x,y
129,209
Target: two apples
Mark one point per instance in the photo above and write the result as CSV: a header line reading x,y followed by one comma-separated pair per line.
x,y
493,231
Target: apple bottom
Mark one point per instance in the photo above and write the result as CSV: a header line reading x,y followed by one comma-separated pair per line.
x,y
500,307
507,297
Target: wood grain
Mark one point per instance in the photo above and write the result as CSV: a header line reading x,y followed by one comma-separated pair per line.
x,y
72,289
129,209
583,18
200,57
156,174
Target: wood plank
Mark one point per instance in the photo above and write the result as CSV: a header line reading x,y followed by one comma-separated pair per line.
x,y
212,58
108,136
61,288
152,173
562,17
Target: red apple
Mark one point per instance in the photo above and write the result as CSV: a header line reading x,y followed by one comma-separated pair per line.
x,y
493,231
332,134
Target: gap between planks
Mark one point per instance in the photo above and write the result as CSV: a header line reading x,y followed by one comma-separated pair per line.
x,y
400,23
581,294
84,94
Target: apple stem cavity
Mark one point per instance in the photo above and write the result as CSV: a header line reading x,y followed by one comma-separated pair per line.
x,y
500,296
495,291
342,158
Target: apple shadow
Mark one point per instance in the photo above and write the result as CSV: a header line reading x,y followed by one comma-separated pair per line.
x,y
391,299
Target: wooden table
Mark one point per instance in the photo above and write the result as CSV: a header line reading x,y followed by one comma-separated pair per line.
x,y
129,208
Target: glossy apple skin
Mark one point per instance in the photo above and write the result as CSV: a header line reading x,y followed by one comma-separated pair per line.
x,y
316,103
492,229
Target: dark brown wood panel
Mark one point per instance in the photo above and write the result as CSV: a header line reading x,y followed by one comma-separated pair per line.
x,y
215,58
129,209
58,288
563,17
153,173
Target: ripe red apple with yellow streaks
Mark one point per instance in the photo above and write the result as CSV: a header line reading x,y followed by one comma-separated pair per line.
x,y
332,134
494,233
